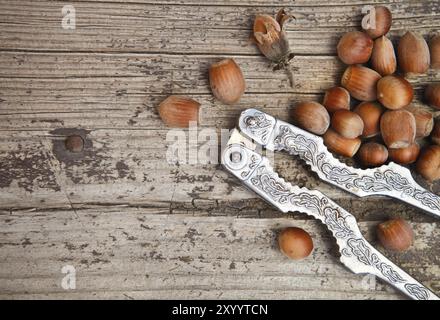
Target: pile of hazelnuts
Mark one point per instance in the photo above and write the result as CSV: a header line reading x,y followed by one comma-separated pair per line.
x,y
384,124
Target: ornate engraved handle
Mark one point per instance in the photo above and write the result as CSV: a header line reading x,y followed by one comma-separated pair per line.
x,y
390,180
356,253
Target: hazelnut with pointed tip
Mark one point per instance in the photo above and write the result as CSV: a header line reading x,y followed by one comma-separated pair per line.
x,y
413,53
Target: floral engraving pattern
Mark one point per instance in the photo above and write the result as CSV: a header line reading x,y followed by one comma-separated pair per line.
x,y
258,125
418,291
253,163
345,176
337,221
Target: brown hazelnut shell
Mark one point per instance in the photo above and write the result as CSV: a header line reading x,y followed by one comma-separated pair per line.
x,y
311,116
398,128
340,145
394,92
361,82
370,112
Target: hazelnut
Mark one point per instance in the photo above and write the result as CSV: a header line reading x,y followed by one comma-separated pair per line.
x,y
361,82
178,111
370,112
432,95
336,98
394,92
311,116
398,128
382,22
295,243
347,123
395,235
372,154
413,53
355,47
428,164
227,81
406,155
340,145
383,58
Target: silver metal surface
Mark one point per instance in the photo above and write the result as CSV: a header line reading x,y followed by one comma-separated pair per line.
x,y
390,180
357,254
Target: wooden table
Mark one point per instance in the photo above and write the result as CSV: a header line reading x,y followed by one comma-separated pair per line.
x,y
129,223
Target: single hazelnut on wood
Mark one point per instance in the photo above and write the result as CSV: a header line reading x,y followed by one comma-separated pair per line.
x,y
361,82
398,128
227,81
347,123
311,116
295,243
424,121
395,235
435,134
382,23
413,53
394,92
355,47
340,145
372,154
370,112
383,58
178,111
336,98
406,155
434,47
428,164
432,95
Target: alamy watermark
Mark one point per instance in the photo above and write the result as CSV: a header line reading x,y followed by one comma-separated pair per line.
x,y
369,20
68,22
200,146
68,282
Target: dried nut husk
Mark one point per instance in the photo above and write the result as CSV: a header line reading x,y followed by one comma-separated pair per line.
x,y
336,98
428,164
413,53
311,116
382,22
340,145
372,154
383,58
406,155
178,111
355,47
435,134
432,95
227,81
370,112
434,48
398,128
396,235
347,123
361,82
271,39
394,92
424,121
295,243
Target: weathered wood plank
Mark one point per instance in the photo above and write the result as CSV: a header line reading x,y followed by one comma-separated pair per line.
x,y
115,252
130,167
43,91
221,28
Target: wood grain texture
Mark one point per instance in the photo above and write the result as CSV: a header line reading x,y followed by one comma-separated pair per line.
x,y
145,253
134,225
